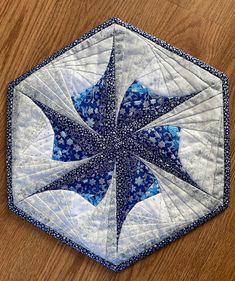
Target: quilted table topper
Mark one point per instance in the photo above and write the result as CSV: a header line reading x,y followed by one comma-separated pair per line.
x,y
118,144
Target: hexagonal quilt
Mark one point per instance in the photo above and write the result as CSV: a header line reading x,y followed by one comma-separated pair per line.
x,y
118,144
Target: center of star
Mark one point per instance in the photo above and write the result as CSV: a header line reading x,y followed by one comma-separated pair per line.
x,y
113,142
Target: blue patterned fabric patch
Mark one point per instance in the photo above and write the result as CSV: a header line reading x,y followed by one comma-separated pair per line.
x,y
87,103
118,144
144,185
165,138
139,98
92,189
67,148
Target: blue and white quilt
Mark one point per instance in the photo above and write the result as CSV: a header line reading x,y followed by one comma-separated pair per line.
x,y
118,144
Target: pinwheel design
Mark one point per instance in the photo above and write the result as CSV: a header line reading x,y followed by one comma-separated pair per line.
x,y
117,144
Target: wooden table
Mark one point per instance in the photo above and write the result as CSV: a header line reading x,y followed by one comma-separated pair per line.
x,y
31,30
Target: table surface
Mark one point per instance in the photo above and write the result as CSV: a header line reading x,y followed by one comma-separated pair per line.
x,y
32,30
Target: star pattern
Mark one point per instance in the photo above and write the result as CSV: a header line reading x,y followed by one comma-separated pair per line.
x,y
119,141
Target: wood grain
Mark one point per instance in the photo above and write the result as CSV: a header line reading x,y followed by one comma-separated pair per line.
x,y
32,30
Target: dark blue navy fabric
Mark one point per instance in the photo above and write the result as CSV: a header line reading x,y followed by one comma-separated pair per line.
x,y
94,188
